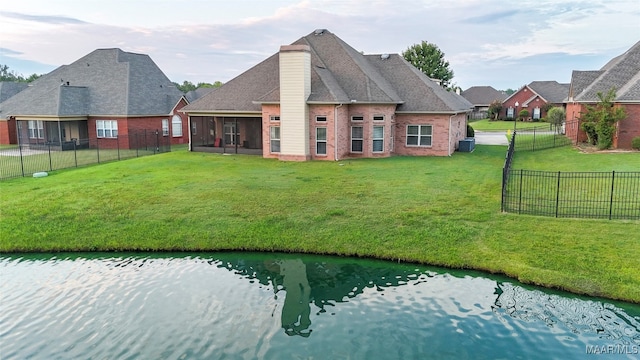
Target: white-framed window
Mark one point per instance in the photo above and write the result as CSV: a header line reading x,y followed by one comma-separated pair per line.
x,y
107,128
36,129
419,135
165,127
510,111
321,118
536,113
378,138
321,141
176,126
274,118
194,128
378,117
230,134
357,139
274,139
357,118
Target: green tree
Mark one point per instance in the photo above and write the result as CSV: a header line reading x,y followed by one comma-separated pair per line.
x,y
599,121
189,86
429,59
9,75
494,109
556,115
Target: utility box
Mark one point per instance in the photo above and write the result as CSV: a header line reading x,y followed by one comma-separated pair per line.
x,y
467,145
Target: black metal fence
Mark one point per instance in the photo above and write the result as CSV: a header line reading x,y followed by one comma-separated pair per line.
x,y
600,195
32,156
541,137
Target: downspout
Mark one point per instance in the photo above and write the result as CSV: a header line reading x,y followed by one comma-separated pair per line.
x,y
335,132
190,135
450,117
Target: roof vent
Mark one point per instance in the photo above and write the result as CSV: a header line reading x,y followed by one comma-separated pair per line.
x,y
319,31
384,56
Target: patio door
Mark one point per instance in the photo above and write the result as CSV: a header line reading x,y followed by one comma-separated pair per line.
x,y
231,135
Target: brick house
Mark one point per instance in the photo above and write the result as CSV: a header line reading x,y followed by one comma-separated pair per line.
x,y
321,99
622,74
536,98
108,94
481,97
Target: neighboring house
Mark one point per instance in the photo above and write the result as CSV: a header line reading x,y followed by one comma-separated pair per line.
x,y
481,97
319,98
536,98
8,134
108,94
622,74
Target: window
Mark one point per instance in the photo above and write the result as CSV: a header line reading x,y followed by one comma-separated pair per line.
x,y
356,139
165,127
274,136
419,135
357,118
176,126
510,112
107,128
321,141
274,118
194,128
321,118
36,129
378,117
229,132
378,138
536,113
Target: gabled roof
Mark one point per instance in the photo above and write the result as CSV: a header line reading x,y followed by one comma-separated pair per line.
x,y
339,74
551,91
483,95
10,88
104,82
621,73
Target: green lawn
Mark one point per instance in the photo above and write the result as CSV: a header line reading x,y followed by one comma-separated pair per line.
x,y
436,210
500,125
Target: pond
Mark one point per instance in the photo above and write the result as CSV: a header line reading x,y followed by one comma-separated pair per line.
x,y
287,306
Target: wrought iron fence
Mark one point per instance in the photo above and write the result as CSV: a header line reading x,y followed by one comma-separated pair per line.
x,y
542,137
601,195
31,155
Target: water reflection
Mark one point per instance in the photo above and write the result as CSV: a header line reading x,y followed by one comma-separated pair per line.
x,y
327,283
266,306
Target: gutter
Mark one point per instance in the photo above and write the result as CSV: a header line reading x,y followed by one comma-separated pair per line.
x,y
450,117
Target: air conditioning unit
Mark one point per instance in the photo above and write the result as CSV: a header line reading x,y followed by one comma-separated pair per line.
x,y
467,145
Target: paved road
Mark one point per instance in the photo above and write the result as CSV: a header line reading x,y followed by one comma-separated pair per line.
x,y
491,138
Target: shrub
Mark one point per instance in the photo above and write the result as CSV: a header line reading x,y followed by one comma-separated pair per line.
x,y
635,143
523,114
470,131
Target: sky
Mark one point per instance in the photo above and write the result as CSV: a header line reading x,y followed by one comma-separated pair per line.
x,y
500,43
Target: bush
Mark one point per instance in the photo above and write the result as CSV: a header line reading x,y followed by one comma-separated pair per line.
x,y
470,131
523,114
635,143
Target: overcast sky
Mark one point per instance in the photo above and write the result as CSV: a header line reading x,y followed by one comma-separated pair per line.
x,y
505,44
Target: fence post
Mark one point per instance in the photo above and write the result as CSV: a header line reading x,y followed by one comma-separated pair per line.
x,y
534,140
75,152
157,142
50,162
558,194
118,146
21,156
613,178
98,148
520,194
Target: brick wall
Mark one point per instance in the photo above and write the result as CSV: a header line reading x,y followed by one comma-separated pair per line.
x,y
440,144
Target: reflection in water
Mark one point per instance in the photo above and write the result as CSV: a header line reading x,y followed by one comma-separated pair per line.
x,y
267,306
325,283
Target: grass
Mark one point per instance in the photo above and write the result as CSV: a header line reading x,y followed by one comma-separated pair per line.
x,y
500,125
434,210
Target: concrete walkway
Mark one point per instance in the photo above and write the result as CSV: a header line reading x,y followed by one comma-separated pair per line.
x,y
491,138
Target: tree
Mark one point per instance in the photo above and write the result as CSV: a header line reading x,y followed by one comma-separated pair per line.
x,y
494,109
10,75
430,60
189,86
599,121
556,115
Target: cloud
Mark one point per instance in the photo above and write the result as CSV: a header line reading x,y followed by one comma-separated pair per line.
x,y
492,17
47,19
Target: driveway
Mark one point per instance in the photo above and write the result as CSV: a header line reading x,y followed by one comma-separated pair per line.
x,y
491,138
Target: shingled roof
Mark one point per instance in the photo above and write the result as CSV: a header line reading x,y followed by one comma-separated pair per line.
x,y
10,88
621,73
339,74
483,95
104,82
551,91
